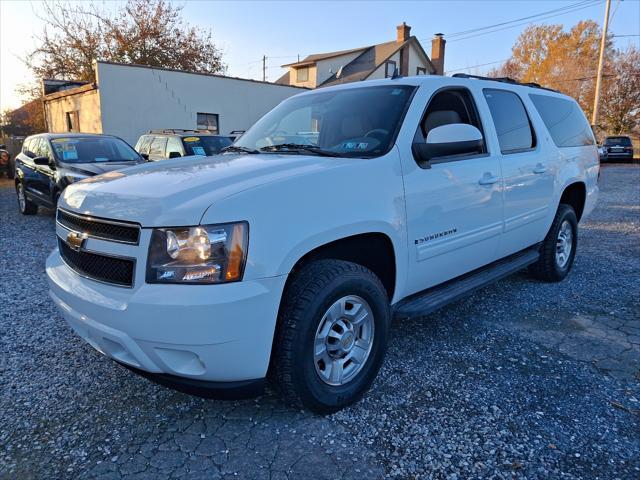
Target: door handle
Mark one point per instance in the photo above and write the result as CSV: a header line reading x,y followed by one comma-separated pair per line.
x,y
488,179
540,168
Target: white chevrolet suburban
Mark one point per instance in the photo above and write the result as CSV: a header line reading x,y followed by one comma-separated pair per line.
x,y
285,257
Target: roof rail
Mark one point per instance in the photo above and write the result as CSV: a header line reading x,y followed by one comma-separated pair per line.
x,y
504,80
180,130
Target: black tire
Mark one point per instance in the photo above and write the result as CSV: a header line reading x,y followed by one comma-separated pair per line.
x,y
547,268
27,207
309,294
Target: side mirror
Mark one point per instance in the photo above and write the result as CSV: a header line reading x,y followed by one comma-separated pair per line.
x,y
448,140
41,160
145,156
174,154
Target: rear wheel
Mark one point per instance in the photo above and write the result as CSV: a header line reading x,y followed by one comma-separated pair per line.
x,y
559,247
27,207
331,336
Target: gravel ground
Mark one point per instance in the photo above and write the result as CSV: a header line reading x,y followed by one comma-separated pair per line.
x,y
522,380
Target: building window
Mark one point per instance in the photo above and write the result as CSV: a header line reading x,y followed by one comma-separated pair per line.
x,y
73,121
208,121
389,68
421,71
302,74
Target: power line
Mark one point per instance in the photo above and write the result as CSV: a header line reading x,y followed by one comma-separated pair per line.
x,y
467,37
476,66
473,30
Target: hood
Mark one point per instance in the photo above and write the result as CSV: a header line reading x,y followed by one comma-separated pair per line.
x,y
177,192
96,168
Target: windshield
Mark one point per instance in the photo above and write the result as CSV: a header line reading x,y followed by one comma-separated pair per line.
x,y
625,141
92,150
354,122
205,145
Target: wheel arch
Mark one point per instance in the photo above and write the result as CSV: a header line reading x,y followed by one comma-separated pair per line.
x,y
373,250
575,195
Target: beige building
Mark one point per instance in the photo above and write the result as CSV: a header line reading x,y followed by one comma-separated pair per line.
x,y
403,55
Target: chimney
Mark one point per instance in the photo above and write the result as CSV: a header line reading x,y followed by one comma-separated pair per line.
x,y
404,32
437,53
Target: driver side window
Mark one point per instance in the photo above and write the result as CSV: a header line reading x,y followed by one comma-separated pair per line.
x,y
448,107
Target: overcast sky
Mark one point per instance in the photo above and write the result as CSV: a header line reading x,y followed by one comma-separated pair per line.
x,y
245,31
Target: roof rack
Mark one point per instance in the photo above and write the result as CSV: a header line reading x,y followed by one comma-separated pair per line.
x,y
180,130
504,80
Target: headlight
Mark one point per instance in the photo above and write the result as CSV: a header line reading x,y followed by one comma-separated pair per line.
x,y
202,254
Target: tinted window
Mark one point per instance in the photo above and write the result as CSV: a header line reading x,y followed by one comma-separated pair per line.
x,y
205,145
173,145
511,121
564,120
157,146
624,141
92,149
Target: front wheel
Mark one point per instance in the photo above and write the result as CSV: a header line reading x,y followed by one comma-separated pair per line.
x,y
27,207
559,247
331,336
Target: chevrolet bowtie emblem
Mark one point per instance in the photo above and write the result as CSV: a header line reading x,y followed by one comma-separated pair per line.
x,y
76,240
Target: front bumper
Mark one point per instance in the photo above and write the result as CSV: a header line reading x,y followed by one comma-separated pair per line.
x,y
212,333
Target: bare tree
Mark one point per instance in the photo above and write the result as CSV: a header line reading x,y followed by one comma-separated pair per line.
x,y
146,32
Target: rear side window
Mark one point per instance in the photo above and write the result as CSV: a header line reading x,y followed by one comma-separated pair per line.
x,y
511,121
157,146
26,146
143,144
565,121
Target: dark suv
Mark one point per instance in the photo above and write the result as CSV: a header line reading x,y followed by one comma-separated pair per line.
x,y
49,162
174,143
618,148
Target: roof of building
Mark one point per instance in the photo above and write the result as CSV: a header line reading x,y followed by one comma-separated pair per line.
x,y
92,86
71,91
360,68
311,59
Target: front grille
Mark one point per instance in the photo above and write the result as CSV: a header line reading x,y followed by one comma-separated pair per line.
x,y
98,228
115,270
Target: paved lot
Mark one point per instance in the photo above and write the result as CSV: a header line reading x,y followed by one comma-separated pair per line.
x,y
524,380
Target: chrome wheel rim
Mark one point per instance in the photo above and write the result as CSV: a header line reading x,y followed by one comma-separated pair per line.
x,y
564,244
343,340
21,198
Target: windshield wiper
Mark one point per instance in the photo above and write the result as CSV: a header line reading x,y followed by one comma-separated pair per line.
x,y
297,147
238,148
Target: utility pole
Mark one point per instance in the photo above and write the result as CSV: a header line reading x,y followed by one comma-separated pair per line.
x,y
264,68
603,42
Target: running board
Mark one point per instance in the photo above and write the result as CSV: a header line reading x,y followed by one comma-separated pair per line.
x,y
432,299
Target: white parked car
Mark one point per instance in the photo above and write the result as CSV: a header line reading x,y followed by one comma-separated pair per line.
x,y
286,257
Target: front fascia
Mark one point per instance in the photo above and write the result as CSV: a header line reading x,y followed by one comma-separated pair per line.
x,y
292,216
